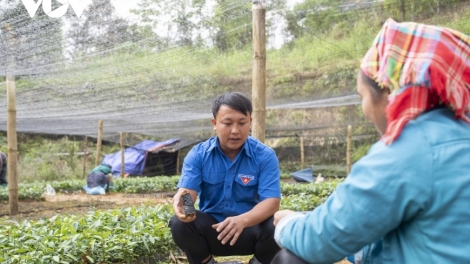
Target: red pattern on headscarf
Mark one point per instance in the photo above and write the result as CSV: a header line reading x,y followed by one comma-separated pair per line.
x,y
423,66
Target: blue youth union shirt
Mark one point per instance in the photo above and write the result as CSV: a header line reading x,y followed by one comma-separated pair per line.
x,y
229,188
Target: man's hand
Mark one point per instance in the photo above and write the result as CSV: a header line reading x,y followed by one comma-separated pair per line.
x,y
229,229
178,206
281,214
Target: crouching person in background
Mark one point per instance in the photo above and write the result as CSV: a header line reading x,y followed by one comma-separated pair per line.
x,y
3,168
237,179
99,180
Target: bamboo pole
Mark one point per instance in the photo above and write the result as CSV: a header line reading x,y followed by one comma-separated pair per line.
x,y
85,156
302,153
121,140
98,143
403,10
12,146
178,163
348,151
259,70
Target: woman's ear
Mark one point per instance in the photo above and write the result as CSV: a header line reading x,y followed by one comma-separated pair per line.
x,y
384,95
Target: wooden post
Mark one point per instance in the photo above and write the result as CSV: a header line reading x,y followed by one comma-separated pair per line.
x,y
121,140
348,151
98,143
402,9
12,146
259,70
178,163
302,153
85,157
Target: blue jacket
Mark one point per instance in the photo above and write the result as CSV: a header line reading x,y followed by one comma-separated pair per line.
x,y
405,203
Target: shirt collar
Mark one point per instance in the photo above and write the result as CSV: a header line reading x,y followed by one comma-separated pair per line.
x,y
216,144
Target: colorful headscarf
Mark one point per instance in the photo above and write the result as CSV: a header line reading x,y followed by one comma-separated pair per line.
x,y
423,66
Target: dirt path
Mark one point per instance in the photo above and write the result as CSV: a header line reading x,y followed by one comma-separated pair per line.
x,y
81,204
116,198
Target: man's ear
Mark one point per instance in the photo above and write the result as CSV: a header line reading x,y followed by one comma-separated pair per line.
x,y
214,122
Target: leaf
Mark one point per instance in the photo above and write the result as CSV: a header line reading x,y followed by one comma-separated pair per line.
x,y
97,224
72,257
72,229
145,243
21,250
56,258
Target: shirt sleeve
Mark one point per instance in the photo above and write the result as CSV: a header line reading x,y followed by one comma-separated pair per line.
x,y
388,186
191,174
270,177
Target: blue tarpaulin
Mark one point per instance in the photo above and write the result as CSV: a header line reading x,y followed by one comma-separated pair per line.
x,y
134,157
305,175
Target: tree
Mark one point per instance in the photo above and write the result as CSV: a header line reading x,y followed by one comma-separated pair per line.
x,y
402,10
317,16
99,29
28,45
231,23
174,20
225,24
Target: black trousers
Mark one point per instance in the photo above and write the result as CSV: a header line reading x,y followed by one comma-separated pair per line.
x,y
199,240
3,174
285,256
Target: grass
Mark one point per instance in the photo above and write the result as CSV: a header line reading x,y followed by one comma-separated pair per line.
x,y
327,54
43,158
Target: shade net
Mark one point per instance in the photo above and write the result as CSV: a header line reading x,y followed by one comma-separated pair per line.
x,y
153,67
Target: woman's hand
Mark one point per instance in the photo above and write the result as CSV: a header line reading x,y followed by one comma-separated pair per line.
x,y
281,214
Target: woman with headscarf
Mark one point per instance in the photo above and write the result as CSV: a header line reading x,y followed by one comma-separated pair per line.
x,y
407,200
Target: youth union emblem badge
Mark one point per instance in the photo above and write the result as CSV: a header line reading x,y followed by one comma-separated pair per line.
x,y
246,178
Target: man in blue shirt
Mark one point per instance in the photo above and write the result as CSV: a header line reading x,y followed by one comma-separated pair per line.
x,y
237,180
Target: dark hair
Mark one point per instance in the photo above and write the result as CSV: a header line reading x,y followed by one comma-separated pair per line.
x,y
235,100
371,83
